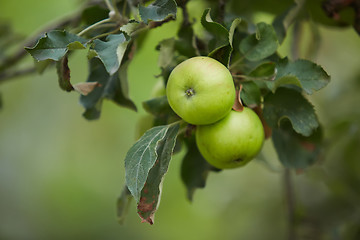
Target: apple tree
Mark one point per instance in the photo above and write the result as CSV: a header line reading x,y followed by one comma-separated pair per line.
x,y
275,86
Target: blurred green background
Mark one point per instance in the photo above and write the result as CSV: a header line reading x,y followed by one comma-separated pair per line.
x,y
60,175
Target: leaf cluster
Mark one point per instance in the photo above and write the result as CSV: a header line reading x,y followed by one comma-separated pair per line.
x,y
275,86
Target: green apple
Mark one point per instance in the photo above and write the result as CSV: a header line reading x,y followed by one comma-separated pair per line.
x,y
233,141
200,90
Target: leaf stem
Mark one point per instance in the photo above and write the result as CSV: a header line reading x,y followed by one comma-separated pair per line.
x,y
95,25
104,35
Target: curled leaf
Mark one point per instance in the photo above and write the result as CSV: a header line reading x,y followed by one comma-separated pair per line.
x,y
238,106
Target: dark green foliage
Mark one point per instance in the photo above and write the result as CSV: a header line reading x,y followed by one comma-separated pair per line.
x,y
270,82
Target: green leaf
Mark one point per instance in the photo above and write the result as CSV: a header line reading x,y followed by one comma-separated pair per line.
x,y
151,192
250,94
112,87
117,88
301,73
290,104
220,33
294,150
261,44
223,54
158,10
112,51
194,168
141,157
63,72
55,44
123,204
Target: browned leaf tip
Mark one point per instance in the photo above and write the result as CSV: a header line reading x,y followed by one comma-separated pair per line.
x,y
238,106
144,208
86,87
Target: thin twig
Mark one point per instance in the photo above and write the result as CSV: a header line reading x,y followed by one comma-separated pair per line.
x,y
21,53
290,201
5,76
104,34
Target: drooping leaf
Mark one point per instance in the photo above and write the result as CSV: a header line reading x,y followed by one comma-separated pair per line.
x,y
290,104
123,204
223,54
295,150
94,112
112,51
220,33
194,168
150,194
93,101
302,73
261,44
141,158
117,88
158,10
112,87
63,72
55,44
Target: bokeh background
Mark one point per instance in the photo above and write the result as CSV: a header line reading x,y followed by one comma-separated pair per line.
x,y
60,175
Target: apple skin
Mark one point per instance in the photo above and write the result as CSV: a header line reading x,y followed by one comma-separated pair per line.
x,y
200,90
233,141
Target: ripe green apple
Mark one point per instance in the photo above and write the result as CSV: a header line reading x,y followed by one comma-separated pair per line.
x,y
233,141
200,90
